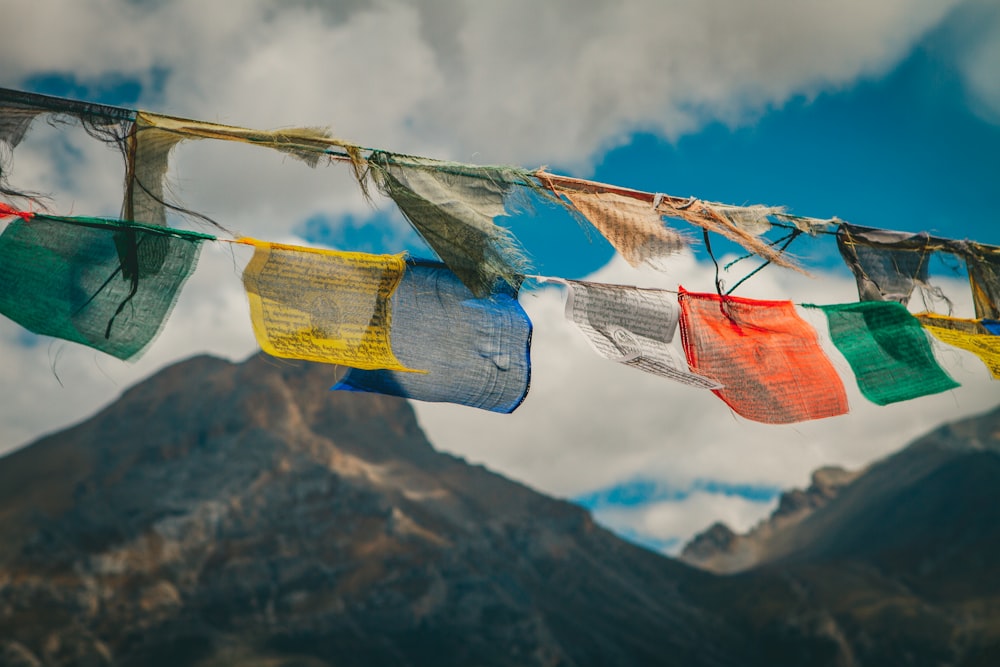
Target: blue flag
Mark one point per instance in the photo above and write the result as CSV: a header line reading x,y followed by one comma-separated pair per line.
x,y
476,351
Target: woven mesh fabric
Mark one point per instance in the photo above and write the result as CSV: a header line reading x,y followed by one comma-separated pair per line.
x,y
104,284
323,305
887,265
476,351
970,335
888,351
768,358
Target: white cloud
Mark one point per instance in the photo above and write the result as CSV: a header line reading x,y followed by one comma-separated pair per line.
x,y
975,39
520,82
680,520
516,81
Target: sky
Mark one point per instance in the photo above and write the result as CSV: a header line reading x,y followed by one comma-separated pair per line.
x,y
883,114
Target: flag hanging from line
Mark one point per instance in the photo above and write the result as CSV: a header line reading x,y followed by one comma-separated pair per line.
x,y
969,335
983,264
768,358
632,326
887,349
476,351
887,265
106,284
452,207
323,305
632,226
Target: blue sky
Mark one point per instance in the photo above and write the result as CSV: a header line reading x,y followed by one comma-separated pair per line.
x,y
884,115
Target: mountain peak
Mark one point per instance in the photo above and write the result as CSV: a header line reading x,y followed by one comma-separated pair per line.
x,y
219,504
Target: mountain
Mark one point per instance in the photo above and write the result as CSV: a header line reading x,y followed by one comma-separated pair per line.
x,y
242,514
895,564
224,513
720,550
845,513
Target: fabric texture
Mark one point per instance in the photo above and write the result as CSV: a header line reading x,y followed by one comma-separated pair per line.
x,y
632,226
983,264
308,144
887,265
148,157
969,335
767,358
476,351
323,305
154,137
452,207
888,351
18,109
632,326
106,284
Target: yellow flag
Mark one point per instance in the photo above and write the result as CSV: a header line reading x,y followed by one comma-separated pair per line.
x,y
968,335
323,305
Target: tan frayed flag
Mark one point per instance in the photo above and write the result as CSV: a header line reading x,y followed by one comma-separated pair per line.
x,y
632,326
148,155
154,136
632,226
323,305
306,143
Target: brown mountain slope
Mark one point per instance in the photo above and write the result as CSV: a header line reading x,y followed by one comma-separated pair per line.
x,y
842,508
896,567
243,514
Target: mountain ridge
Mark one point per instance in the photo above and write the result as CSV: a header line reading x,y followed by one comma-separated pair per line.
x,y
226,513
244,507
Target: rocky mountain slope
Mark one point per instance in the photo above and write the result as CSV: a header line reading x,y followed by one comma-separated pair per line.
x,y
242,514
896,564
226,513
854,513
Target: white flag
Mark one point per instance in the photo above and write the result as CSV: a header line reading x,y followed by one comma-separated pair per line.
x,y
632,326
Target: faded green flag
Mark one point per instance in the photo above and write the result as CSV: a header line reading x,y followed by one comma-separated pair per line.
x,y
106,284
452,206
888,350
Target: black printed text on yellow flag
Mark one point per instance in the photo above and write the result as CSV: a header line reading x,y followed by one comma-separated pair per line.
x,y
323,305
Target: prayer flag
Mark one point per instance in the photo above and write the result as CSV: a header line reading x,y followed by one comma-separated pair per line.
x,y
323,305
983,263
452,207
632,226
106,284
887,349
632,326
970,335
768,358
476,351
18,109
886,264
154,136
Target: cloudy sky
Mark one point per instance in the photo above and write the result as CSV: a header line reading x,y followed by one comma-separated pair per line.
x,y
884,114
